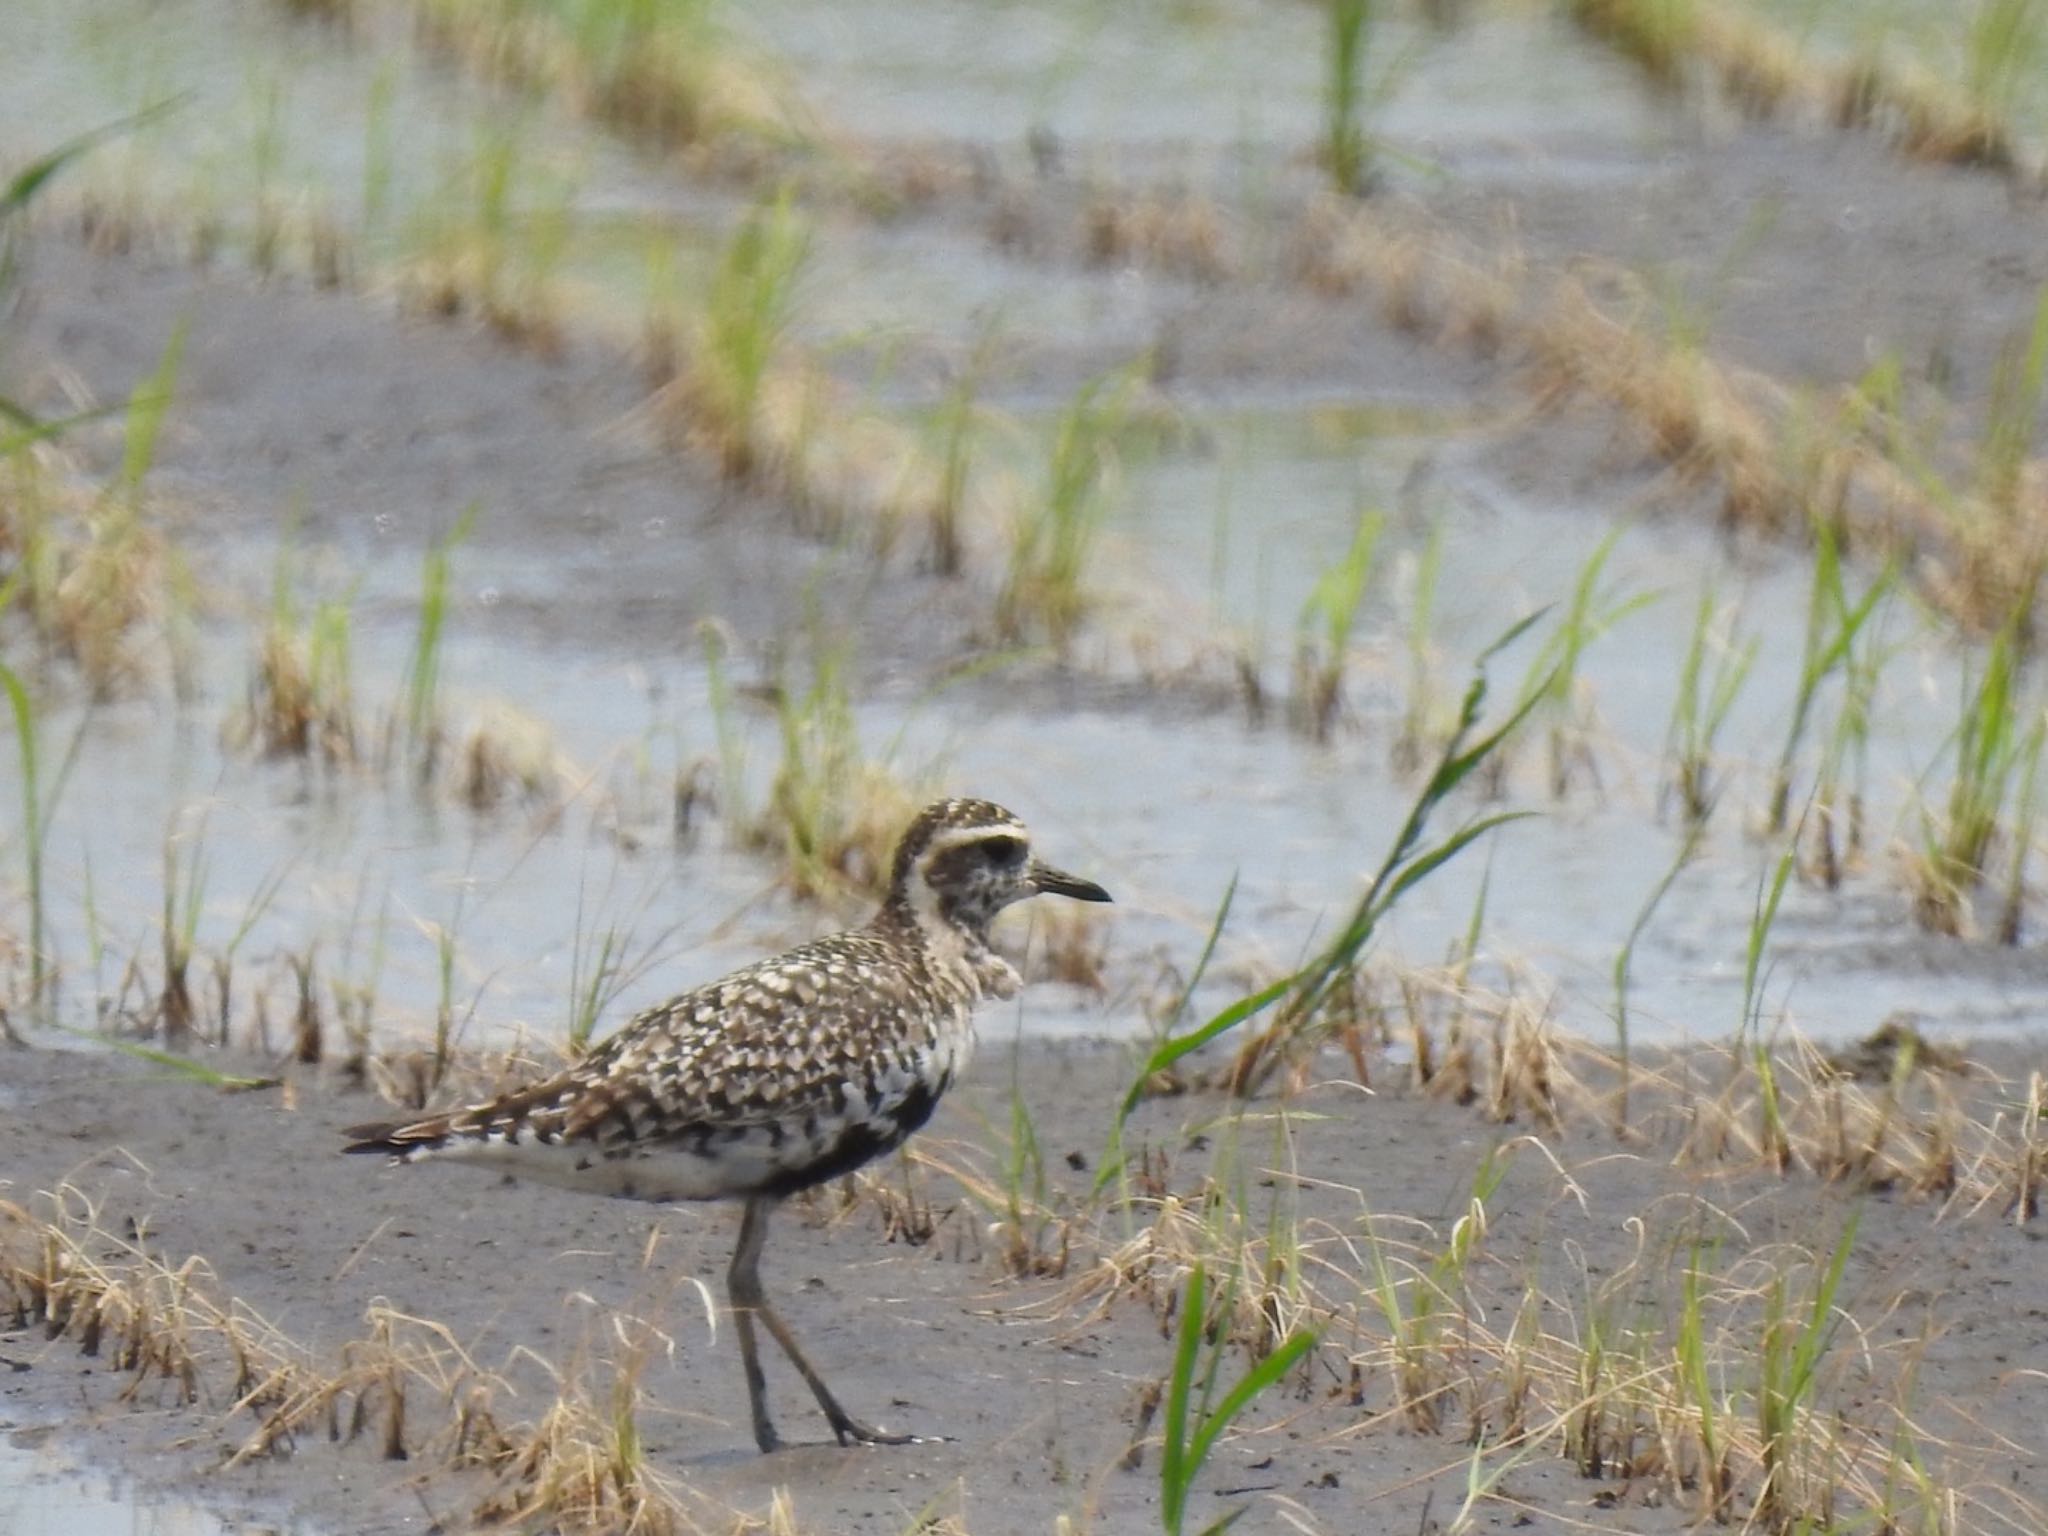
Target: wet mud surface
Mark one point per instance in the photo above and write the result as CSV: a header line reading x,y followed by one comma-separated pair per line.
x,y
1035,1383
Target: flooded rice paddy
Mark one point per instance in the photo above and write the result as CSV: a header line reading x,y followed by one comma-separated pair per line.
x,y
662,696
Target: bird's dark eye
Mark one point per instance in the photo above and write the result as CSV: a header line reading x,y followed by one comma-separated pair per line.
x,y
1003,850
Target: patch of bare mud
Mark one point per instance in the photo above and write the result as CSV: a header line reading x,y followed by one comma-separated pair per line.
x,y
1037,1383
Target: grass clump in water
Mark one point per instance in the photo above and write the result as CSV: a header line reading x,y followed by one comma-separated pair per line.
x,y
1347,150
832,811
737,343
491,243
1323,646
668,73
1998,743
302,697
1709,681
1044,587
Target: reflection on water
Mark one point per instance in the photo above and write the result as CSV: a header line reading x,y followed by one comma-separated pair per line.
x,y
46,1492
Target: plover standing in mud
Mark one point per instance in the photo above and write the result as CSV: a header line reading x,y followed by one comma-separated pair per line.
x,y
781,1076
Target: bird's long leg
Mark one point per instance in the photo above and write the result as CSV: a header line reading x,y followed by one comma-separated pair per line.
x,y
743,1290
743,1287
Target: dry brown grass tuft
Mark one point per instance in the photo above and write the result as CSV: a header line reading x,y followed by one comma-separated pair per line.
x,y
1766,71
667,76
1176,233
407,1386
92,572
509,755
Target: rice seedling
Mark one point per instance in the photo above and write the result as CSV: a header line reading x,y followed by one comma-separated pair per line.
x,y
1660,36
1052,539
1430,1308
2011,410
1770,892
20,191
1553,679
1997,745
1346,148
1030,1231
1422,709
1688,850
86,592
1710,1408
423,724
739,338
1833,623
669,73
1706,693
353,993
1766,69
958,418
491,243
832,810
379,154
508,754
2025,818
184,881
1192,1426
266,155
34,820
1180,233
446,938
1789,1355
1323,632
1113,1162
1408,862
601,967
302,693
1838,811
2004,43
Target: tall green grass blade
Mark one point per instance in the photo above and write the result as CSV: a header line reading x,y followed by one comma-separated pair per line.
x,y
1182,1452
1764,914
1113,1158
1688,849
422,693
23,187
31,817
184,1066
1345,146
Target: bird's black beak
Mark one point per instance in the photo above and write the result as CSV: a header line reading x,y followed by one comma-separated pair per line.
x,y
1054,882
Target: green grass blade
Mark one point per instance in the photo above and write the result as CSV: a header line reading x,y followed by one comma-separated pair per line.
x,y
1174,1471
1256,1380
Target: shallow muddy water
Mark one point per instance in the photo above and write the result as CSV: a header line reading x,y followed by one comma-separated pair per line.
x,y
1197,80
46,1492
371,875
1216,540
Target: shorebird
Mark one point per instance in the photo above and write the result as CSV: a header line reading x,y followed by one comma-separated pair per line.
x,y
782,1075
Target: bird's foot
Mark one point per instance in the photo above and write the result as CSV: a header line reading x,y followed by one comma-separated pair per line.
x,y
851,1430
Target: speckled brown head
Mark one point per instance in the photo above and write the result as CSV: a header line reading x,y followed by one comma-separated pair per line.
x,y
963,861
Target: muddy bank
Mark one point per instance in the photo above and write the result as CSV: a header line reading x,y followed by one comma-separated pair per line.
x,y
1037,1382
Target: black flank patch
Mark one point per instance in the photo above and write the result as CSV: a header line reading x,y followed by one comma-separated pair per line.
x,y
861,1144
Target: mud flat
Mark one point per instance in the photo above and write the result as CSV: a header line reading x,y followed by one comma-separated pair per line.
x,y
1039,1382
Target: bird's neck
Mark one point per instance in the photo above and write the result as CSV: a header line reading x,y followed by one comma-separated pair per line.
x,y
953,940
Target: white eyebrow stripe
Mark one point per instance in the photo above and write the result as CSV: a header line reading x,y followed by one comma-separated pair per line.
x,y
959,837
